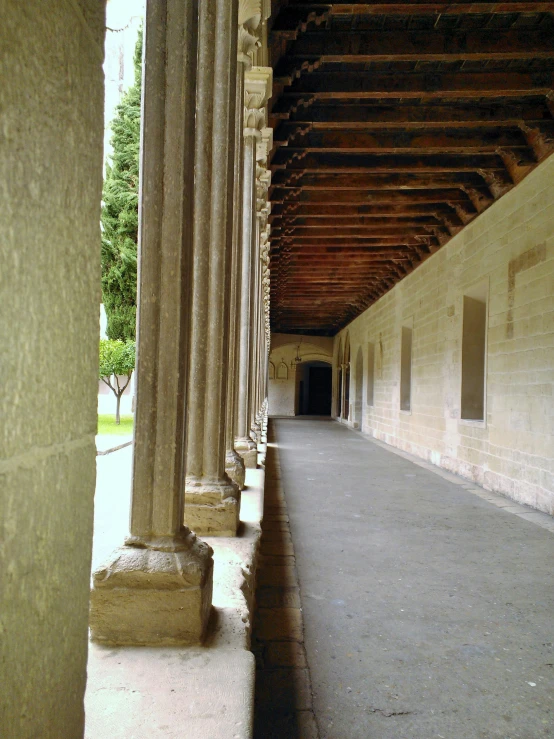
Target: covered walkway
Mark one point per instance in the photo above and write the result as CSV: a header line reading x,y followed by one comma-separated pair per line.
x,y
427,608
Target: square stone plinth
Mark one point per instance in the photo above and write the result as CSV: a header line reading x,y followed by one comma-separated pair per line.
x,y
212,519
149,597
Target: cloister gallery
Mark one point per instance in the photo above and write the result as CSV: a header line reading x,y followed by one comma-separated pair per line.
x,y
346,209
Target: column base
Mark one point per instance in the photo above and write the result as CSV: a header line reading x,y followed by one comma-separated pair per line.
x,y
234,467
154,592
256,432
248,450
212,508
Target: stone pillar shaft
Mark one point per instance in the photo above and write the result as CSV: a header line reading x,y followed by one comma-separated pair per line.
x,y
211,500
248,235
157,589
234,462
258,90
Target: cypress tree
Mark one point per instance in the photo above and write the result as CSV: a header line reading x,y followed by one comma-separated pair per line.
x,y
120,213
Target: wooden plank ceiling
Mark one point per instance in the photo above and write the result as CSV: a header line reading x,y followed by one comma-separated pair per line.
x,y
395,124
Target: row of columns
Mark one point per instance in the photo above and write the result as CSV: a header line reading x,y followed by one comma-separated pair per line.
x,y
203,314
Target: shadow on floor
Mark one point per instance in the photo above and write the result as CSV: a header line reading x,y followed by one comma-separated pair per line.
x,y
283,705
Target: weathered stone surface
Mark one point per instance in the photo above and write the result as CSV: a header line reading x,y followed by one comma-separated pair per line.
x,y
279,623
276,548
215,517
285,654
235,468
151,597
248,451
283,689
284,577
272,597
51,97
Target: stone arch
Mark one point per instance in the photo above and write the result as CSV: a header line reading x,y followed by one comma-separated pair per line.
x,y
282,371
359,387
271,371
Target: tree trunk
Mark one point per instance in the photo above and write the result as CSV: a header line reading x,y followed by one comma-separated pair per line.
x,y
118,403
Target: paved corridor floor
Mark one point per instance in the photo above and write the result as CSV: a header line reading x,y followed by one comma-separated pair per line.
x,y
428,612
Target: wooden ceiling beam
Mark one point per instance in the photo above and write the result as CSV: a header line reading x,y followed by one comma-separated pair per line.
x,y
413,7
358,197
342,211
419,46
430,85
350,163
352,229
324,181
375,115
406,142
337,221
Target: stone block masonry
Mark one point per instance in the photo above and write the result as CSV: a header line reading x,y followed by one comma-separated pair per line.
x,y
505,258
51,96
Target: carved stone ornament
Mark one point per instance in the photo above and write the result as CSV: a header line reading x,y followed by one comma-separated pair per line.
x,y
247,43
250,13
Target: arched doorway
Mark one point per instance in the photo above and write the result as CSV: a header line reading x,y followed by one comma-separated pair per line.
x,y
359,386
314,388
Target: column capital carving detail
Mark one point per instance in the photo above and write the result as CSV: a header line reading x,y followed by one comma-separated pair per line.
x,y
247,43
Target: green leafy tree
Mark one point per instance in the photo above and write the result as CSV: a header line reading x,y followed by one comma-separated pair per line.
x,y
120,214
117,361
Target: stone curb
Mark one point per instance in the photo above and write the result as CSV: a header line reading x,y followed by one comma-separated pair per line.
x,y
102,452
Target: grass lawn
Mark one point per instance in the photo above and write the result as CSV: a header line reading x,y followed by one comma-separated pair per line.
x,y
107,425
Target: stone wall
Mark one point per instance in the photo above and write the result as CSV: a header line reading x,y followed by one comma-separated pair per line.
x,y
50,187
506,258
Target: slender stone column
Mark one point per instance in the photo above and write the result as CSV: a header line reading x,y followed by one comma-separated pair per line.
x,y
212,501
263,181
234,463
157,588
257,90
254,311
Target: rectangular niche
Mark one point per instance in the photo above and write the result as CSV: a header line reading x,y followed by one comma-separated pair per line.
x,y
370,372
406,369
474,341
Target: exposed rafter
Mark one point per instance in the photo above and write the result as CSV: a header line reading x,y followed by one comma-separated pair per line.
x,y
395,124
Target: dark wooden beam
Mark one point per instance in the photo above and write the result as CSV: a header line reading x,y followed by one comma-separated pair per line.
x,y
374,196
372,115
302,9
429,45
350,163
364,85
324,181
389,210
407,142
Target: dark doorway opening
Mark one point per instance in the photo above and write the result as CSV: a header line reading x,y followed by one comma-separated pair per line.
x,y
315,389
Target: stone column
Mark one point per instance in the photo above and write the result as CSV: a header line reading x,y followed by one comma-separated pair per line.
x,y
234,463
212,501
257,91
157,588
254,313
263,181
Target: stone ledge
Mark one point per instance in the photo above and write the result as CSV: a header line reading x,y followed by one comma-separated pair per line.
x,y
172,691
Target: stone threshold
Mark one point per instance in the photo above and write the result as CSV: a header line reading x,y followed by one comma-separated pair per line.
x,y
208,690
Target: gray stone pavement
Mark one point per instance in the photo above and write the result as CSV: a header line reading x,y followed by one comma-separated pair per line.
x,y
428,611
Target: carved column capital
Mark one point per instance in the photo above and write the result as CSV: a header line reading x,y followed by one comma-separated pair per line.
x,y
257,91
247,43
